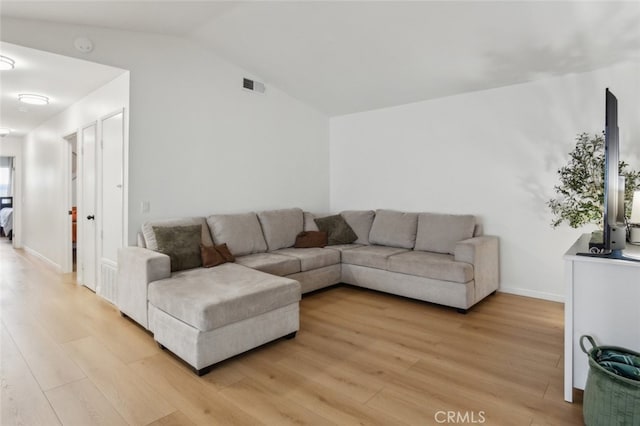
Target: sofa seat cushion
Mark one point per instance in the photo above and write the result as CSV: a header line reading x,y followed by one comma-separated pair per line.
x,y
270,263
312,258
343,247
436,266
211,298
371,256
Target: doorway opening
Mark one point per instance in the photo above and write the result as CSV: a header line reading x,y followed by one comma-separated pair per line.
x,y
7,188
72,139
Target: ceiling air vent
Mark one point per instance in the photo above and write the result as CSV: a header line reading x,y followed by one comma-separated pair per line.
x,y
254,86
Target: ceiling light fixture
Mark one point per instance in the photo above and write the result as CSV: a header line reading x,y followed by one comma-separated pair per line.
x,y
6,63
4,131
29,98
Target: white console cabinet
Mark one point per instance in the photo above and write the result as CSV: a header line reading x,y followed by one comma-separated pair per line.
x,y
602,299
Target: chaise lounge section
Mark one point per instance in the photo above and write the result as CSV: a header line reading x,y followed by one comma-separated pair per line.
x,y
205,315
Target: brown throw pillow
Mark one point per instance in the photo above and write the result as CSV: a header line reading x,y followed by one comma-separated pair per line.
x,y
225,252
308,239
181,244
210,256
215,255
338,230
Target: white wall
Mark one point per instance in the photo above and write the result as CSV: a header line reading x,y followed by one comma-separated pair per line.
x,y
45,154
199,143
11,146
492,153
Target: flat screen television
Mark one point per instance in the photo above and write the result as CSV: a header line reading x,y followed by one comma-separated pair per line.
x,y
615,231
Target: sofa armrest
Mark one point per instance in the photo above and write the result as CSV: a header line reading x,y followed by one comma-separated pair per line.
x,y
137,267
483,253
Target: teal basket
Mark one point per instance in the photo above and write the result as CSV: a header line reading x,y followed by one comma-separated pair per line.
x,y
609,399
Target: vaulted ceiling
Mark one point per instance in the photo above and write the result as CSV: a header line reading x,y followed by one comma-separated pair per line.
x,y
344,57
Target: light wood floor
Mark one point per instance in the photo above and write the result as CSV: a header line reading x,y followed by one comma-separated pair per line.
x,y
360,357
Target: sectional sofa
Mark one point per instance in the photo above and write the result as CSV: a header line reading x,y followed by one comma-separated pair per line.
x,y
205,315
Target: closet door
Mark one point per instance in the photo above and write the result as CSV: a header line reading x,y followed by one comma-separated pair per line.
x,y
112,190
87,249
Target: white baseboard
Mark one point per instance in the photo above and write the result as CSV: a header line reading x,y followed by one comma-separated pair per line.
x,y
45,259
532,293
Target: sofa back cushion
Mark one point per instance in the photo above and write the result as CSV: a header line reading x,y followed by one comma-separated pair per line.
x,y
280,227
149,235
140,240
309,220
309,223
439,233
360,221
394,229
477,230
241,233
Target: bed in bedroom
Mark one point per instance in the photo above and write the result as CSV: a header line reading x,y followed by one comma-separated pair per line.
x,y
6,217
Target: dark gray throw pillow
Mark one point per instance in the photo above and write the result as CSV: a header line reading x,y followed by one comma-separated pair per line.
x,y
338,230
181,244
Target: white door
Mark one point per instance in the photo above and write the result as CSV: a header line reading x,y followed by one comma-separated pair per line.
x,y
87,215
112,143
111,204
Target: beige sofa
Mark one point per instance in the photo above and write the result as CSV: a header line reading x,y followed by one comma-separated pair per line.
x,y
205,315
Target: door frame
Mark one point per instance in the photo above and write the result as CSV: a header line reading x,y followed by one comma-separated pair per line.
x,y
81,208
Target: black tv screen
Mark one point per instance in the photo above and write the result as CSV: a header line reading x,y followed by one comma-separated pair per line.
x,y
614,221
